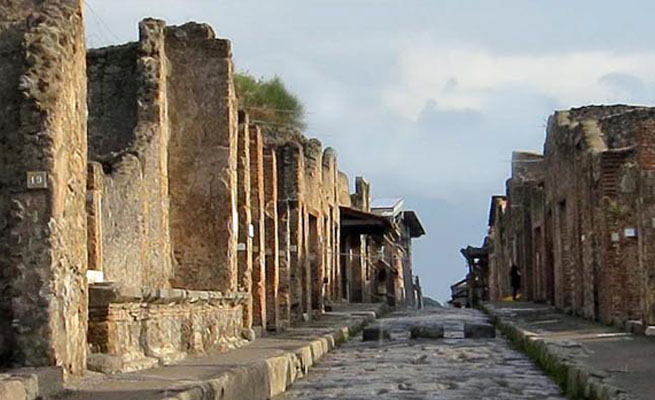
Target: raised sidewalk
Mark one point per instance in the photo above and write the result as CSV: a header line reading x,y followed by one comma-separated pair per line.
x,y
589,360
260,370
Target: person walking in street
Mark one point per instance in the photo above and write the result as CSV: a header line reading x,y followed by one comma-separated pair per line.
x,y
515,281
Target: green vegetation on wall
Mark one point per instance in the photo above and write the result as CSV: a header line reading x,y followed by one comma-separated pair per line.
x,y
269,102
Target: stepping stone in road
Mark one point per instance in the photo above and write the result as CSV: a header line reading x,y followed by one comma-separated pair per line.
x,y
479,331
375,333
427,332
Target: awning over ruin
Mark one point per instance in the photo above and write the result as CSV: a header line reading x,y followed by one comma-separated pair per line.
x,y
472,253
362,222
413,223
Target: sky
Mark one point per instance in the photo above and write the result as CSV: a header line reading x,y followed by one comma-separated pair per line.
x,y
426,98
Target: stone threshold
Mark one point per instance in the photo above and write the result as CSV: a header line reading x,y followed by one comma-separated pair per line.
x,y
261,370
578,354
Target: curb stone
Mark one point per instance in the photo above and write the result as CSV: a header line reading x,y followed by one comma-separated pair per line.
x,y
576,380
272,376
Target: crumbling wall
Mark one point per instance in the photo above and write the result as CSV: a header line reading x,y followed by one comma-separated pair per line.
x,y
43,295
587,253
527,173
202,158
343,190
128,136
361,199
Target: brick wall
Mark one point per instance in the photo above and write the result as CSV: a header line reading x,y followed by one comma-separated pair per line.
x,y
584,239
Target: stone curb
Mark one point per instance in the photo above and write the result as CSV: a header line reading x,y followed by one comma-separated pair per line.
x,y
272,376
576,380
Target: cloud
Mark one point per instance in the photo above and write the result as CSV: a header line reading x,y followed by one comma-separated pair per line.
x,y
464,77
434,120
624,85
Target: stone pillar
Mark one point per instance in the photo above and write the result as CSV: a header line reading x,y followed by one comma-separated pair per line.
x,y
257,205
296,250
271,227
244,246
202,158
43,257
284,267
291,184
94,216
315,261
306,261
354,269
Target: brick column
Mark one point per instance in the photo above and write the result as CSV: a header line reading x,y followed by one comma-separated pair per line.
x,y
271,232
257,205
244,246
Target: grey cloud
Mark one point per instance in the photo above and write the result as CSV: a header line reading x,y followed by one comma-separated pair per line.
x,y
625,86
442,122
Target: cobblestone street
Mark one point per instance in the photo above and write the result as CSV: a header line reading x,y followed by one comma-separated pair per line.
x,y
452,368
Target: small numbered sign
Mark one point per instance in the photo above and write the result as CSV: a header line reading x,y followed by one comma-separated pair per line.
x,y
37,180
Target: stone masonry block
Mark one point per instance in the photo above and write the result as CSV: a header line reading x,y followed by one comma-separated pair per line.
x,y
427,332
479,331
375,333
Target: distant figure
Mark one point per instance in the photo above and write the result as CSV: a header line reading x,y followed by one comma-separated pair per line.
x,y
324,289
515,281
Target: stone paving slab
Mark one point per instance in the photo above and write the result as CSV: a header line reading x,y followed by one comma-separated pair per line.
x,y
588,359
451,368
260,370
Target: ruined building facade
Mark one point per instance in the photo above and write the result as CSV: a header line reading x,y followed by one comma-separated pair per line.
x,y
144,218
579,221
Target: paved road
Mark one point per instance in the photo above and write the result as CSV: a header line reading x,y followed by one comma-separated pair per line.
x,y
453,368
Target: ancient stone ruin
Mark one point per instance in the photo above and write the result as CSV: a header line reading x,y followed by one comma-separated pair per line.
x,y
143,217
579,220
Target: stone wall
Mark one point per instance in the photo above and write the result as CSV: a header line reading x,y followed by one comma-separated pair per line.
x,y
202,158
343,190
42,216
498,261
581,234
527,175
184,228
164,178
128,137
132,329
329,181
